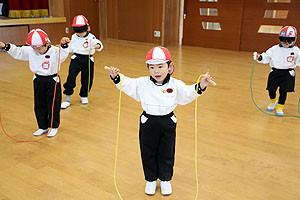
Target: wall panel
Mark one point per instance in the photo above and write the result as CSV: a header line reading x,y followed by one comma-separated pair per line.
x,y
229,16
15,34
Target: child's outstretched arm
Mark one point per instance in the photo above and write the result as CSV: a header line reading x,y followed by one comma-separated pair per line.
x,y
129,85
19,53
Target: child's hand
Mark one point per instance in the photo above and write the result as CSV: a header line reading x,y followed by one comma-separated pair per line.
x,y
2,45
205,80
114,71
97,46
65,40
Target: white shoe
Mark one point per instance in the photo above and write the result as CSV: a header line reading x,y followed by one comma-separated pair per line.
x,y
65,104
52,132
166,188
84,100
40,132
279,112
150,187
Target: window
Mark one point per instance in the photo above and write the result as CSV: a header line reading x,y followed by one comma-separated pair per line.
x,y
211,26
276,14
271,29
279,1
208,0
209,11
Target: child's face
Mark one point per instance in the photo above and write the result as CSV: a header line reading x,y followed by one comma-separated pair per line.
x,y
40,50
286,43
159,71
81,34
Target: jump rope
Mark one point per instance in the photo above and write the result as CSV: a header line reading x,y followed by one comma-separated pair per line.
x,y
196,138
255,54
54,95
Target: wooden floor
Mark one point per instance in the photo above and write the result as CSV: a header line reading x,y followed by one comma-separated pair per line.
x,y
243,154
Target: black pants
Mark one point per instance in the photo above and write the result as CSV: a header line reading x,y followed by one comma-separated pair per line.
x,y
43,101
157,143
284,79
80,64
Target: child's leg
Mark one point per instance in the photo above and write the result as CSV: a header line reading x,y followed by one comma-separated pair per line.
x,y
272,95
281,102
85,78
57,102
74,70
149,134
286,85
40,103
166,148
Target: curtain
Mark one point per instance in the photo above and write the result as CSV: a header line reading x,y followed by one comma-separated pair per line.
x,y
28,8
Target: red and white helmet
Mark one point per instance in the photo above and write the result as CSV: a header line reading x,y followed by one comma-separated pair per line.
x,y
79,21
37,37
158,55
288,31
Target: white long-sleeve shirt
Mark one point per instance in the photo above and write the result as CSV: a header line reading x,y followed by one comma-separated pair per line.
x,y
84,45
281,58
41,64
158,99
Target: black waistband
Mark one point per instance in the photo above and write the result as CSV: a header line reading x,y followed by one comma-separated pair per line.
x,y
46,76
82,55
154,116
275,69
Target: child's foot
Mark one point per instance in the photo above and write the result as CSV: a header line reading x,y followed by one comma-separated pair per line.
x,y
166,188
84,100
65,104
279,112
271,106
52,132
40,132
150,187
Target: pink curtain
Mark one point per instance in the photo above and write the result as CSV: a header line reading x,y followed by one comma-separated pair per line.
x,y
28,8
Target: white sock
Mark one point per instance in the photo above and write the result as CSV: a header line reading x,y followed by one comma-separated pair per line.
x,y
68,98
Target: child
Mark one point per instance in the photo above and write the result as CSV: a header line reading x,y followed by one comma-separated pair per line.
x,y
159,95
83,45
283,59
43,61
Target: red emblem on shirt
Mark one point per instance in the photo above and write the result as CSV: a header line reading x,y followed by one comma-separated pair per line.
x,y
290,58
86,44
46,65
169,90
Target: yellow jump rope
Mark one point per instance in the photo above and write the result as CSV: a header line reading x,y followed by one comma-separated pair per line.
x,y
196,138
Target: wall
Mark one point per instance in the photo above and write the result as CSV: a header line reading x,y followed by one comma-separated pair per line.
x,y
253,17
134,20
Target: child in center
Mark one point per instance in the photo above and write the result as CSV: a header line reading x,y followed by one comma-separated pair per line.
x,y
159,95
